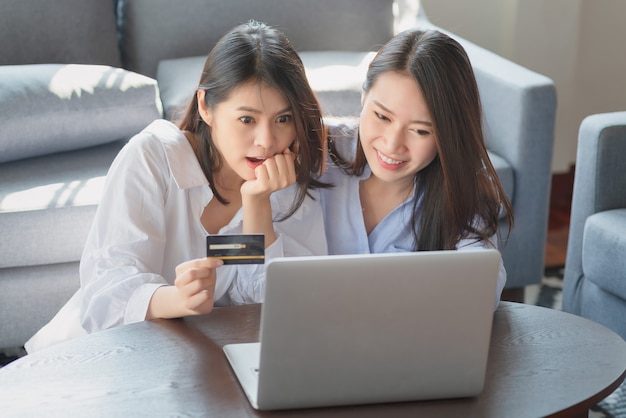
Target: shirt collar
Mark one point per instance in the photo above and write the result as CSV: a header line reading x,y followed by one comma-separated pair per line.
x,y
181,159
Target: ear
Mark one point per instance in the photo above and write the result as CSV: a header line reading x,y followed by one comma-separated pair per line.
x,y
205,113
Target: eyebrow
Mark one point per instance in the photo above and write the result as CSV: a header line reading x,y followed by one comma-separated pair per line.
x,y
253,110
386,109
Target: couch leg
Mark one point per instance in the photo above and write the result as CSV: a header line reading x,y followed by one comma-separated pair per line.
x,y
514,294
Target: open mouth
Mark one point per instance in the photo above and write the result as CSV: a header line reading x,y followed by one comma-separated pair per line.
x,y
255,161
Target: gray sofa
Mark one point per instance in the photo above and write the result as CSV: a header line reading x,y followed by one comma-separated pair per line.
x,y
595,267
80,77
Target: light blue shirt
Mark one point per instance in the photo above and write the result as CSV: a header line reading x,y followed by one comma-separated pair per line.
x,y
343,214
345,226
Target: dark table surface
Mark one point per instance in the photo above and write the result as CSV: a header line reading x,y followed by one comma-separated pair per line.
x,y
541,362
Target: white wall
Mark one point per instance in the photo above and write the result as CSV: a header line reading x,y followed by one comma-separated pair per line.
x,y
580,44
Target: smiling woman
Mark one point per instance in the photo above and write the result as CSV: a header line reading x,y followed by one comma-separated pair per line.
x,y
415,170
397,139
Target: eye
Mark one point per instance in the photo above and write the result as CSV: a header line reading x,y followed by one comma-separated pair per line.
x,y
381,116
421,131
284,118
246,119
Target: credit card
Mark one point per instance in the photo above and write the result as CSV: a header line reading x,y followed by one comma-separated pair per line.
x,y
237,248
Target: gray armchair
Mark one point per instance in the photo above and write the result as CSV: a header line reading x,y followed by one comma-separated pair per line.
x,y
595,268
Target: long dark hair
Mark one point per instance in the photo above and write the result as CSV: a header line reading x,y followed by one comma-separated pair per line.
x,y
256,51
462,195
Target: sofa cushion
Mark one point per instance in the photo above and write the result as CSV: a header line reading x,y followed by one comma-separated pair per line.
x,y
178,80
603,307
154,30
604,246
335,76
59,31
47,204
47,108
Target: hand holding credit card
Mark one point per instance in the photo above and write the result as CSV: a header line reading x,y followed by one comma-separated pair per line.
x,y
237,248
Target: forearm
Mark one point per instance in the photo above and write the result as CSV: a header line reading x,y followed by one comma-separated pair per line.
x,y
113,296
257,218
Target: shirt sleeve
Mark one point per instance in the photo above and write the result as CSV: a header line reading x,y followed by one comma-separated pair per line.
x,y
126,243
300,235
470,244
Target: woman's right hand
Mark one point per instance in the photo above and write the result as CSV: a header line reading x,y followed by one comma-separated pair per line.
x,y
193,291
195,282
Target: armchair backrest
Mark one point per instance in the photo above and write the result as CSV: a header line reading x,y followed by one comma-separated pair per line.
x,y
58,32
600,177
154,30
609,180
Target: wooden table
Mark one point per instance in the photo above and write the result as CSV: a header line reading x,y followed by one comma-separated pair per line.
x,y
541,362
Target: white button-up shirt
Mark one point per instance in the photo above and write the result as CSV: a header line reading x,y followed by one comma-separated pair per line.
x,y
148,222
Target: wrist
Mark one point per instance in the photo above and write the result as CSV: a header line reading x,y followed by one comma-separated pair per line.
x,y
257,218
166,303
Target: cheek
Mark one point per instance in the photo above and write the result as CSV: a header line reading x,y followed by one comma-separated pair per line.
x,y
232,136
284,137
429,152
424,151
368,130
228,141
434,150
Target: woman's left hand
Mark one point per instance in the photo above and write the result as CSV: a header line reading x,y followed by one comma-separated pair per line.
x,y
276,173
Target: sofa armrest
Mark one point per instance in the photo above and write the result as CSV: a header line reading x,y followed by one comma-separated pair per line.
x,y
49,108
599,185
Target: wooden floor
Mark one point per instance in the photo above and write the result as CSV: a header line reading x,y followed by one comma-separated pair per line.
x,y
558,222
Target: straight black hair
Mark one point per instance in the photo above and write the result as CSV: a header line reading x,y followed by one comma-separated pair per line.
x,y
255,51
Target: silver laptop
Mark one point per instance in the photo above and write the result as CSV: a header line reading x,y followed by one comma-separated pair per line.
x,y
357,329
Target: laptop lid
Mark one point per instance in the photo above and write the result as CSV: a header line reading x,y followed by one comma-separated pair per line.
x,y
356,329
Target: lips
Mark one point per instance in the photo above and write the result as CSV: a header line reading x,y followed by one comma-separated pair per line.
x,y
254,162
388,162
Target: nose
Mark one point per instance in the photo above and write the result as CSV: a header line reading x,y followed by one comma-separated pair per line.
x,y
264,136
395,138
